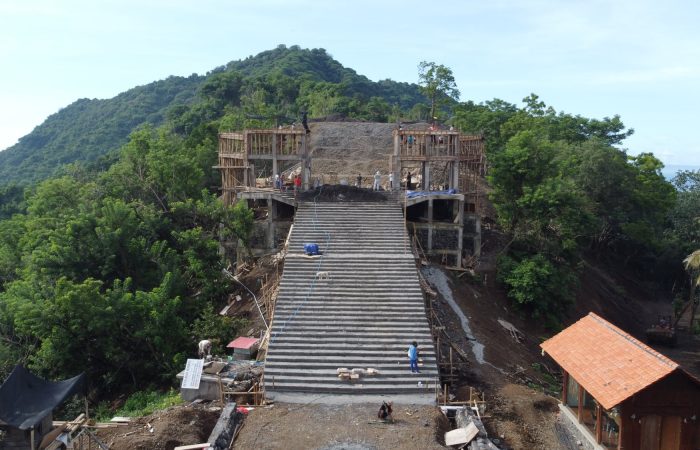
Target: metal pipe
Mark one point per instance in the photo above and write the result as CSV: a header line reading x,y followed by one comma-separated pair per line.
x,y
233,277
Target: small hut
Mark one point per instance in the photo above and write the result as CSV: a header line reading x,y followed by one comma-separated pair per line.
x,y
243,347
622,394
26,407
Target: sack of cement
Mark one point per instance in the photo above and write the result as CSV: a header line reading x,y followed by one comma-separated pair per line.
x,y
372,371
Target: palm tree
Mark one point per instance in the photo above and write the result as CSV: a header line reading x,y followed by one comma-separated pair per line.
x,y
692,266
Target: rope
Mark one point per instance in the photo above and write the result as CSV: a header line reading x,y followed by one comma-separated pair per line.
x,y
318,268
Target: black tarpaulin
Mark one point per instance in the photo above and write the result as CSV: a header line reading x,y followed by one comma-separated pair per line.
x,y
26,399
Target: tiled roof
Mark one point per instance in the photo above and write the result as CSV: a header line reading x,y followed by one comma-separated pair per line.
x,y
242,343
610,364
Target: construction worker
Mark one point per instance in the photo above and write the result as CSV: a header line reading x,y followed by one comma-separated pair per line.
x,y
204,348
413,357
385,412
377,179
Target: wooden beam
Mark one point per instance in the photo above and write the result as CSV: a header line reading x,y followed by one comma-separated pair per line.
x,y
564,387
580,404
598,424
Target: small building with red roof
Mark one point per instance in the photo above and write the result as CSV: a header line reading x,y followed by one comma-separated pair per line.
x,y
243,347
621,392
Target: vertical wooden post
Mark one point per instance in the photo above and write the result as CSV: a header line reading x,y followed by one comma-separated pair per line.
x,y
580,404
598,424
565,387
451,367
438,347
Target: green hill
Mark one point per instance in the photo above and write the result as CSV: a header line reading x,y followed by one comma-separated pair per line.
x,y
289,80
89,128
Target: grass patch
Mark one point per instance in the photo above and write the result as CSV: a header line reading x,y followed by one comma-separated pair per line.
x,y
141,403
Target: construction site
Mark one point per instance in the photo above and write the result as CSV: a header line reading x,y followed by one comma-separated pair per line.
x,y
368,240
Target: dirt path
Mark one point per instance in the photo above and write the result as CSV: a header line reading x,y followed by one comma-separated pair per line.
x,y
351,427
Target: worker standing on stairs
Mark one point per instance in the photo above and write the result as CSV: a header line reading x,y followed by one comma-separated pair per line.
x,y
377,179
413,357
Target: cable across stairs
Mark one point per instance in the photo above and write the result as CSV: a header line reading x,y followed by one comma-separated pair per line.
x,y
364,315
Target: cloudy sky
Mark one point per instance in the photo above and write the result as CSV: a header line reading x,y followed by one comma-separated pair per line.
x,y
636,58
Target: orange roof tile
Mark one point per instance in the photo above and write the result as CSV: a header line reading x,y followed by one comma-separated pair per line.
x,y
610,364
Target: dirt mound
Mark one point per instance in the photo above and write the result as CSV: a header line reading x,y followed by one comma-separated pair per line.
x,y
163,430
340,193
350,148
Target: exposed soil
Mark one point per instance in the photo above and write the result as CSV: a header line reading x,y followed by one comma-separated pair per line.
x,y
172,427
340,193
351,427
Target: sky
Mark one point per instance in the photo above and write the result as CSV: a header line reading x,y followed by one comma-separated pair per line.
x,y
597,58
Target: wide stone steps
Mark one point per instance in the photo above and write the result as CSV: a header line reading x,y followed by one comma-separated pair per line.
x,y
413,333
364,315
358,389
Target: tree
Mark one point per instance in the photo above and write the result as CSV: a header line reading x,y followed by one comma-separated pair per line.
x,y
438,84
692,266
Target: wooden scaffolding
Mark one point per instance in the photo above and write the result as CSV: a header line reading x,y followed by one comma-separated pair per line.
x,y
444,159
260,154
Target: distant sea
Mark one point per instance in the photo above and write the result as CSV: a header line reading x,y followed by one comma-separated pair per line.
x,y
671,169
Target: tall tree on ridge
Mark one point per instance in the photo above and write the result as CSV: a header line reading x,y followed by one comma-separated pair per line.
x,y
437,83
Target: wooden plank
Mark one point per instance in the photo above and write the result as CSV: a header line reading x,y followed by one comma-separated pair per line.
x,y
670,433
192,447
651,432
120,419
461,435
51,436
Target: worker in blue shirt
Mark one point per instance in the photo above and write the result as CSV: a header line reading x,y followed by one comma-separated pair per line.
x,y
413,356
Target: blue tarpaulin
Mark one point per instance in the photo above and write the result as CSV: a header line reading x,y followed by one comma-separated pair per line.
x,y
414,194
311,249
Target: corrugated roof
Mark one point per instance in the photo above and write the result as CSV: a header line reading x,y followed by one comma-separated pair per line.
x,y
610,364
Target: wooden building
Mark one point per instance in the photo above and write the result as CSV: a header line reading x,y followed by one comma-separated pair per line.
x,y
621,393
449,166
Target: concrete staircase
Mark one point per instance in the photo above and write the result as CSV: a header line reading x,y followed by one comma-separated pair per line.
x,y
364,316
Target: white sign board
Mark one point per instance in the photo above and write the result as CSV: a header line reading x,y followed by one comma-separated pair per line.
x,y
193,374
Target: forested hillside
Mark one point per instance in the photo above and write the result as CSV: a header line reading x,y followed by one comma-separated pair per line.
x,y
112,267
272,86
89,128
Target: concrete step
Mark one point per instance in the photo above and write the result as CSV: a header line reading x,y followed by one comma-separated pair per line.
x,y
364,315
346,387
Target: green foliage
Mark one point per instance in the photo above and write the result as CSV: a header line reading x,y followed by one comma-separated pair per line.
x,y
11,200
561,188
220,330
90,128
543,287
142,403
438,85
115,269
